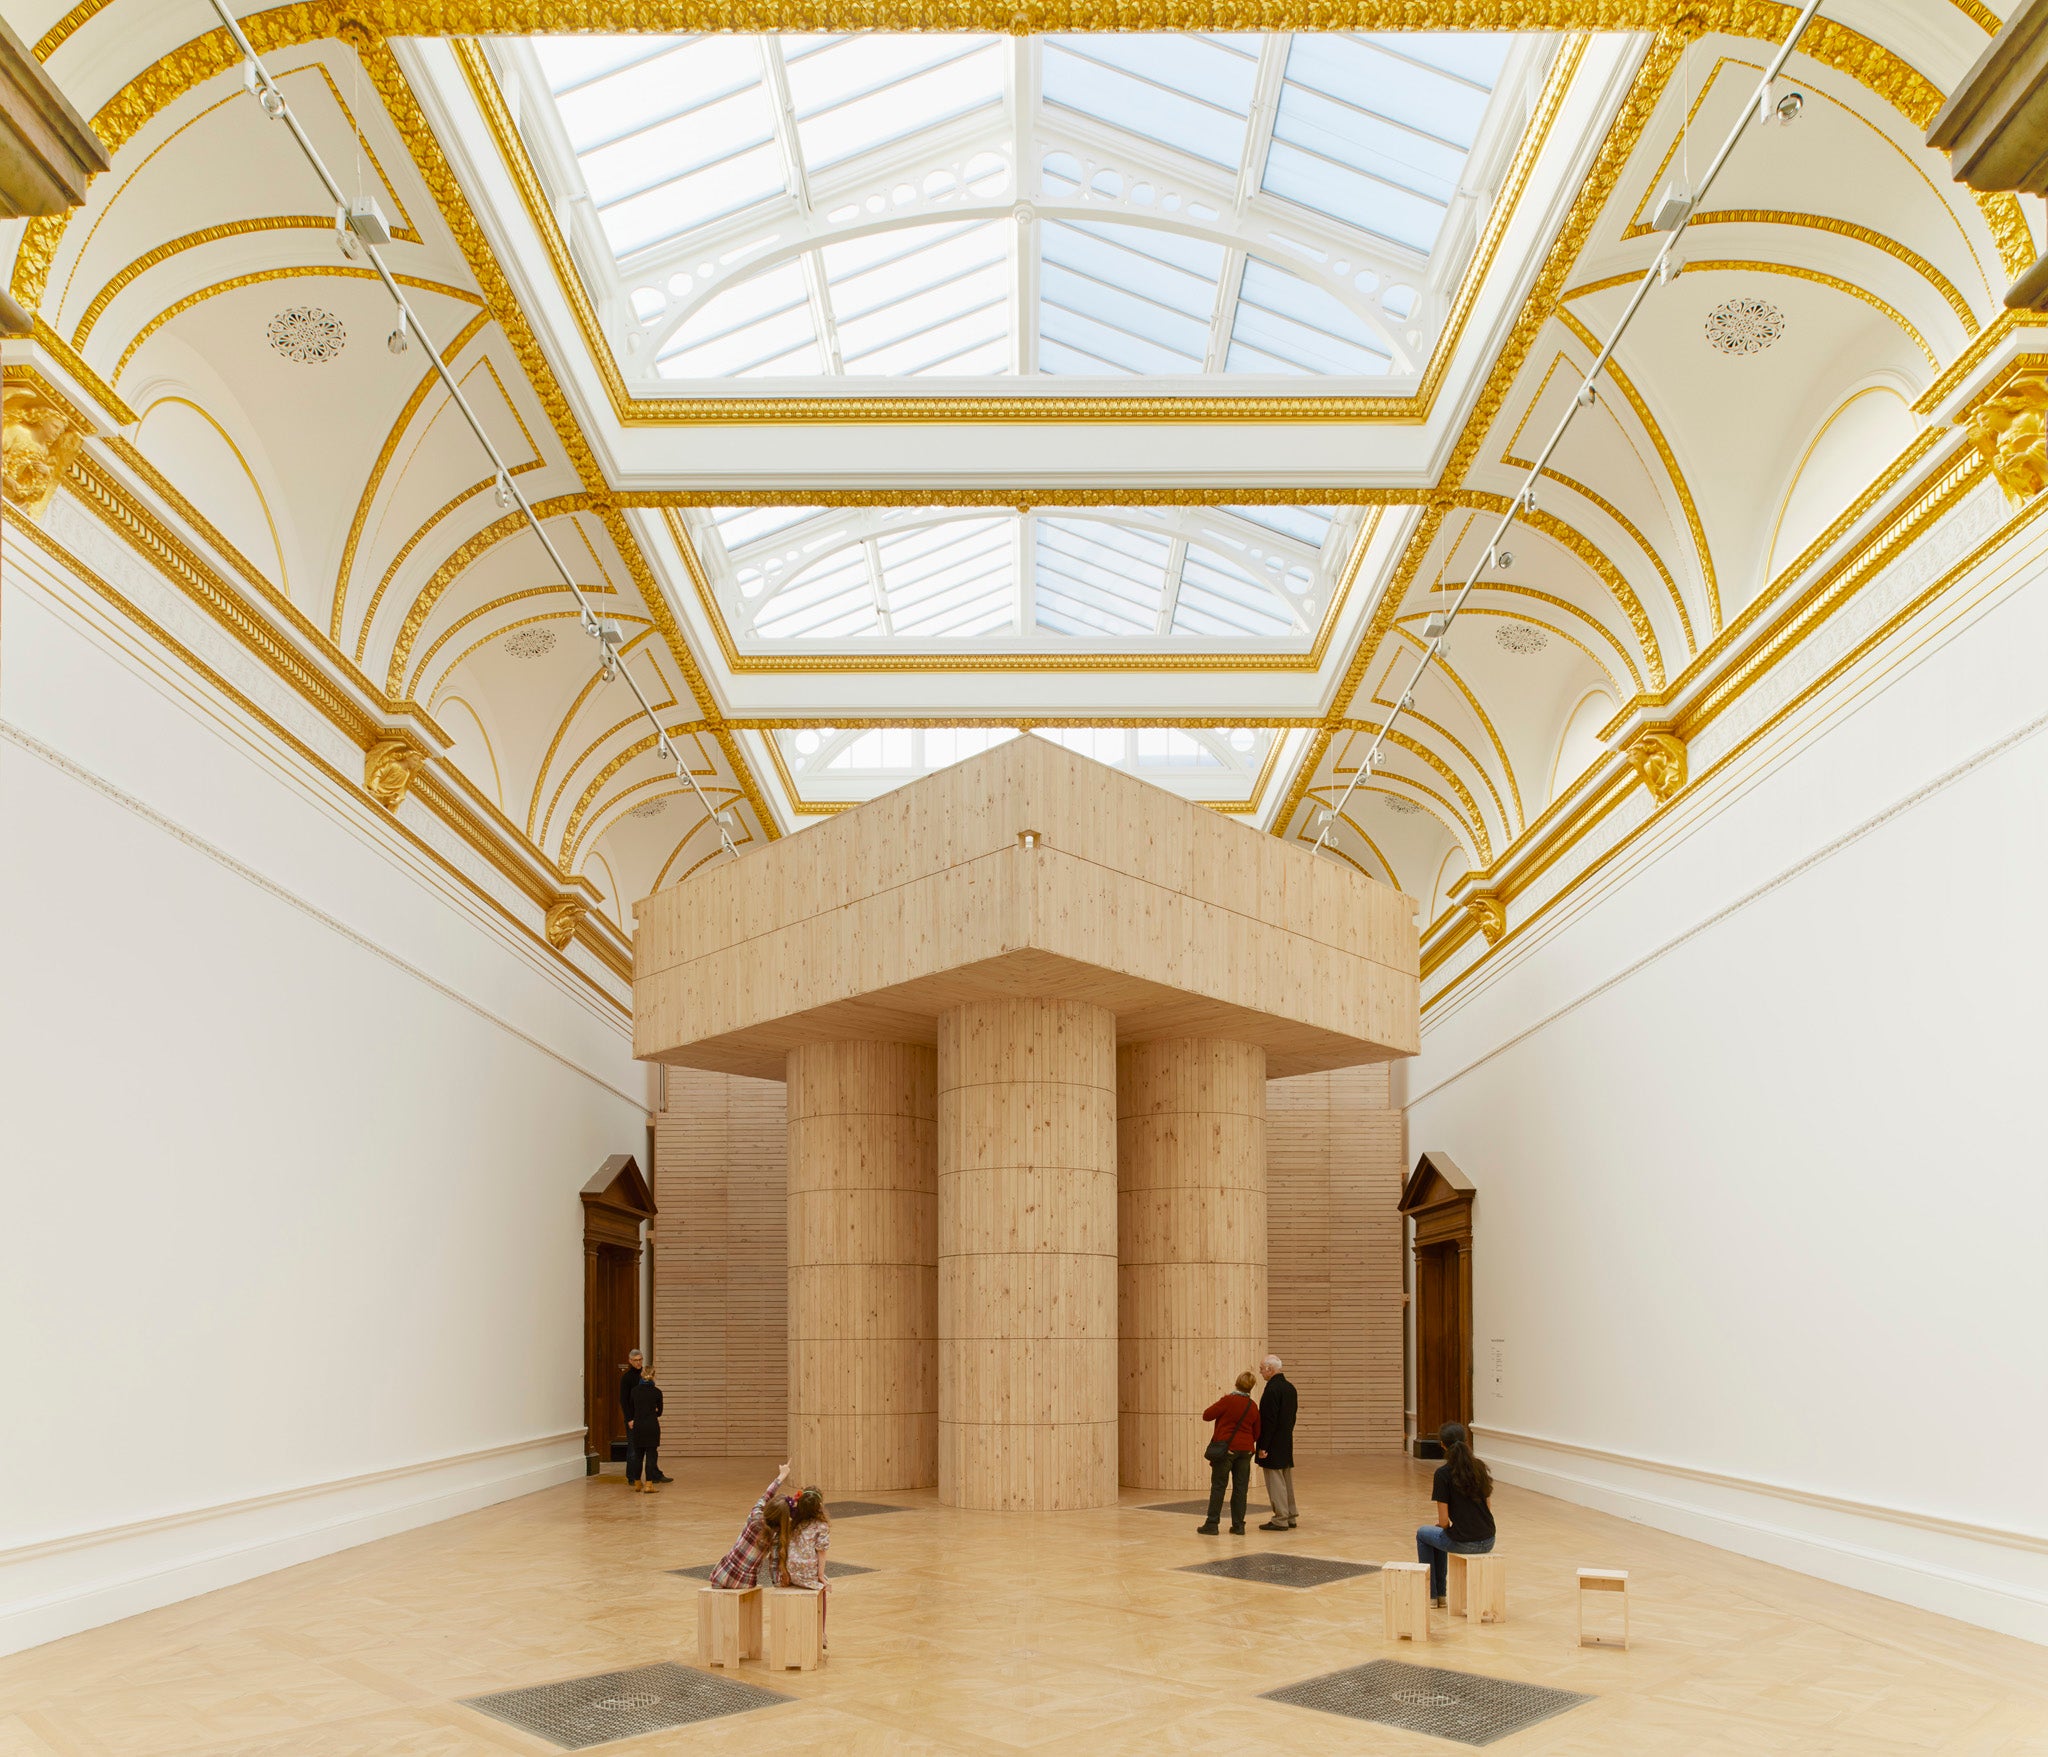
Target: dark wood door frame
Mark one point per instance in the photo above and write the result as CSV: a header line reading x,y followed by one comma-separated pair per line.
x,y
1438,1198
616,1202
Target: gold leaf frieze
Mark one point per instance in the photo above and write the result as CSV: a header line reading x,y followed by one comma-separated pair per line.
x,y
39,442
389,766
2009,433
1659,757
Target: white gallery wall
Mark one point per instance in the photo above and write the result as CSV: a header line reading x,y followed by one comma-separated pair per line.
x,y
1758,1138
291,1136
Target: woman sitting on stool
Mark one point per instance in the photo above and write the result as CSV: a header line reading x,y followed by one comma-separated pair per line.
x,y
802,1532
1464,1524
1230,1453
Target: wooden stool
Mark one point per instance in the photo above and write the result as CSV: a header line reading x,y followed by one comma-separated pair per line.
x,y
1404,1595
1603,1580
795,1638
728,1625
1478,1588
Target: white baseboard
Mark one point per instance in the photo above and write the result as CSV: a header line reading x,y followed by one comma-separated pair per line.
x,y
1978,1574
58,1587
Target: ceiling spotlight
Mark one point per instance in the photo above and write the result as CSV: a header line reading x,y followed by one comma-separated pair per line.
x,y
1673,209
1588,396
396,341
1503,559
506,498
351,245
1325,817
267,95
1787,108
1528,499
664,749
1666,268
1407,701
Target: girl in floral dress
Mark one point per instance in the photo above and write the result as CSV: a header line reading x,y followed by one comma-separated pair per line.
x,y
801,1540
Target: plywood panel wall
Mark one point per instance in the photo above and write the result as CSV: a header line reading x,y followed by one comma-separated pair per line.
x,y
721,1266
1333,1177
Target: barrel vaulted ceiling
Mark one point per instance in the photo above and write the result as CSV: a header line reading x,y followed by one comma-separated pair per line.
x,y
875,389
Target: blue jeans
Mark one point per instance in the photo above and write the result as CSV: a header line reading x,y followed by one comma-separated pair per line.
x,y
1434,1545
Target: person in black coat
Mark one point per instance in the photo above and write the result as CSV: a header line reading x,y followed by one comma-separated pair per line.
x,y
1278,1405
627,1380
643,1444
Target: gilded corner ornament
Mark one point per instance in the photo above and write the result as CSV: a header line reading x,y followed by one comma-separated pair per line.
x,y
565,916
39,442
1489,914
2010,432
389,766
1659,757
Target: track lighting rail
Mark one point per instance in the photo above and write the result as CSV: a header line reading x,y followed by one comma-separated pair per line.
x,y
1765,107
361,225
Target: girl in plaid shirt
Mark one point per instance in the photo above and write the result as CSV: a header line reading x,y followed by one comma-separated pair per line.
x,y
742,1563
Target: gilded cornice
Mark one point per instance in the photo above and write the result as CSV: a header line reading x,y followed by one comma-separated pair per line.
x,y
83,375
438,799
385,453
1971,358
1594,498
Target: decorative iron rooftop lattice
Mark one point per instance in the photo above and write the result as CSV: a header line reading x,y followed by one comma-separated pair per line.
x,y
1744,325
307,334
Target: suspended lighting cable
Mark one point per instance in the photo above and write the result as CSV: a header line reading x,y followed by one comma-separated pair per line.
x,y
362,232
1763,109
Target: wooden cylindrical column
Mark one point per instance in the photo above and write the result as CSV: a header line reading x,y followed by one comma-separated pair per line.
x,y
1027,1255
1191,1244
863,1266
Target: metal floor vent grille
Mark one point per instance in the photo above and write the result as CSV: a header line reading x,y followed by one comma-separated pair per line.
x,y
1199,1508
1278,1568
581,1712
860,1509
833,1570
1457,1706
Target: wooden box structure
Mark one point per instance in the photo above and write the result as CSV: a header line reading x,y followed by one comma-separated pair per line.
x,y
1026,1009
1438,1198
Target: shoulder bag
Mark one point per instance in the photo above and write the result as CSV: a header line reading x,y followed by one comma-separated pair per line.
x,y
1218,1451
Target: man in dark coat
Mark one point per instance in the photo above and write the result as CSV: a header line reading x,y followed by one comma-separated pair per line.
x,y
1277,1406
643,1435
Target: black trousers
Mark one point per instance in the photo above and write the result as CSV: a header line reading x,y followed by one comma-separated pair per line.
x,y
1238,1473
639,1457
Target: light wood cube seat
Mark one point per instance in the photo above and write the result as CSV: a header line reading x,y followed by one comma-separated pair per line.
x,y
795,1628
728,1625
1404,1595
1603,1580
1478,1588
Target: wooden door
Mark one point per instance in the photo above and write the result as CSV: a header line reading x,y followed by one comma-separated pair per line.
x,y
1441,1346
618,1334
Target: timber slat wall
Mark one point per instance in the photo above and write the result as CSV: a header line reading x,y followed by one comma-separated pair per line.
x,y
721,1279
1334,1164
1333,1180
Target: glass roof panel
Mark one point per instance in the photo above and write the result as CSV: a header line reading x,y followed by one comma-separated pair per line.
x,y
1136,573
1283,324
1193,94
1222,765
881,194
853,94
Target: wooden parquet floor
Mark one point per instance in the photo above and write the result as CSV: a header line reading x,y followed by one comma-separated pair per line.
x,y
996,1634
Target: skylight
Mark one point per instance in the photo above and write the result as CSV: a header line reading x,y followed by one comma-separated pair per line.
x,y
1097,205
833,765
1149,575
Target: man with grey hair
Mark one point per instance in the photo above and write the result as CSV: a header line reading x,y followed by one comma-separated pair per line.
x,y
1277,1406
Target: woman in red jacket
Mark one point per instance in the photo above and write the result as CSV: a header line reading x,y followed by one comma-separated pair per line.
x,y
1230,1453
